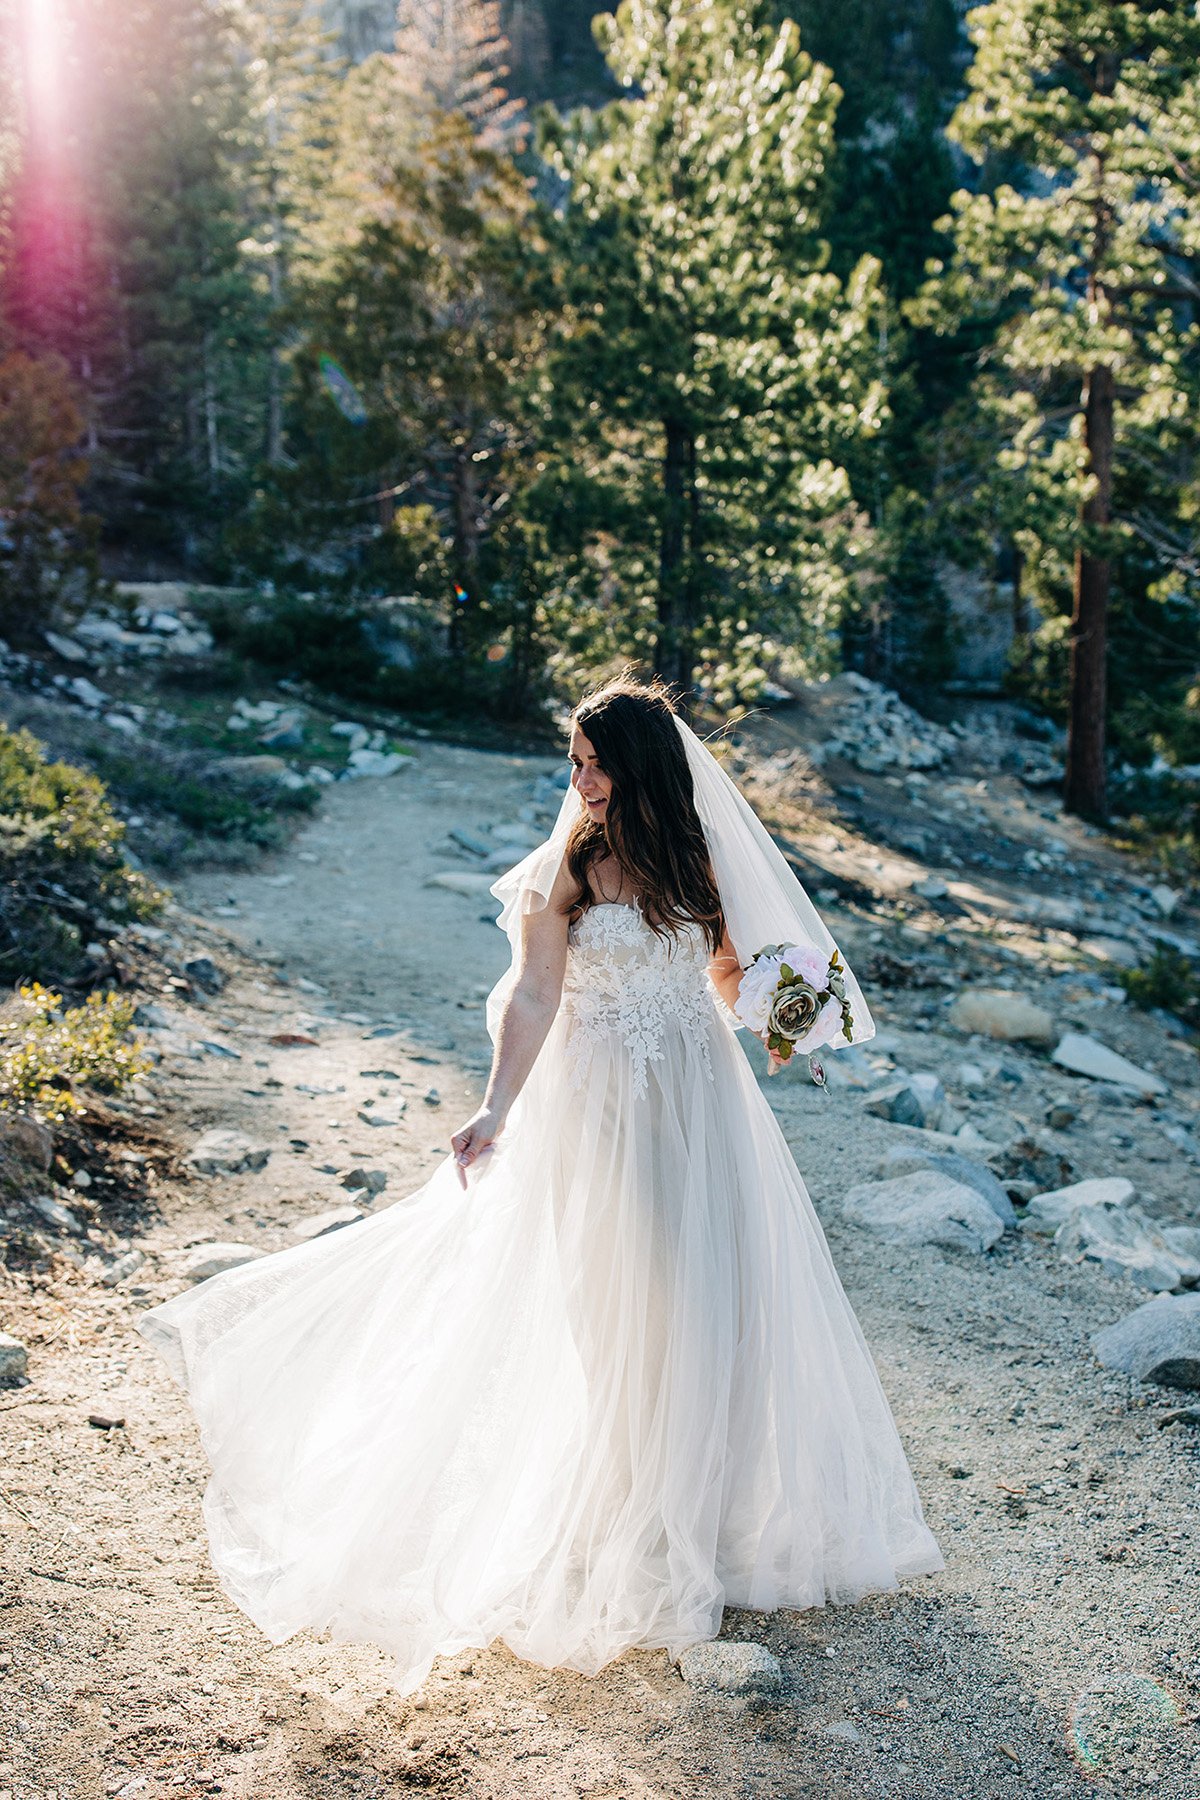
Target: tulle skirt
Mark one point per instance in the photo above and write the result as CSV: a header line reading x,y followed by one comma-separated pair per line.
x,y
611,1388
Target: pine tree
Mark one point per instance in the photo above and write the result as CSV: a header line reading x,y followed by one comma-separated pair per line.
x,y
452,56
427,308
1084,258
291,78
712,377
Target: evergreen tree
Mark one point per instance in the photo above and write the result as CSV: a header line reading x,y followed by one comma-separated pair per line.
x,y
1083,259
428,309
712,378
291,77
452,56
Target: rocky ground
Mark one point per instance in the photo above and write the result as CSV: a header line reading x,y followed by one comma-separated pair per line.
x,y
324,1006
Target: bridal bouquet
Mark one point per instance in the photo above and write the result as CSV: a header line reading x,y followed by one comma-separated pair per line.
x,y
795,999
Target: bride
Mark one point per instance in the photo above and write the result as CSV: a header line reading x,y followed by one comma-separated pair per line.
x,y
598,1378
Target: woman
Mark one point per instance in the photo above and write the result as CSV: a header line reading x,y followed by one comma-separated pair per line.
x,y
598,1378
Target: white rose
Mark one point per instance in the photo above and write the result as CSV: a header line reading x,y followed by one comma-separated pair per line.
x,y
756,992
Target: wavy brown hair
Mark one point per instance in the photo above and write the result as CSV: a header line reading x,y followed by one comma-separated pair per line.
x,y
651,825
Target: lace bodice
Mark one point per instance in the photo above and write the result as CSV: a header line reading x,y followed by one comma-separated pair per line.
x,y
623,980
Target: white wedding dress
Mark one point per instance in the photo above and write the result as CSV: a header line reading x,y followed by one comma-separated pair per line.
x,y
611,1388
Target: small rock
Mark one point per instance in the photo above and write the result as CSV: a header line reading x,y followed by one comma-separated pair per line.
x,y
431,1097
1048,1211
843,1730
896,1101
375,762
66,647
358,735
204,972
926,1207
1159,1341
1183,1238
27,1138
54,1212
106,1421
284,733
203,1260
931,888
14,1360
724,1668
81,1179
323,1222
470,840
1060,1117
1087,1056
86,692
1000,1013
370,1181
120,1270
1165,898
224,1152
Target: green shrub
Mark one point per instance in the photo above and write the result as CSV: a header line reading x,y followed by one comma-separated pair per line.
x,y
182,788
62,872
1169,980
46,1051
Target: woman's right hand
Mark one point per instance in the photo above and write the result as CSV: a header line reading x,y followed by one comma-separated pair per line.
x,y
472,1139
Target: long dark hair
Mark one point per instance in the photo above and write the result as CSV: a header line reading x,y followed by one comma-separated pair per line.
x,y
651,825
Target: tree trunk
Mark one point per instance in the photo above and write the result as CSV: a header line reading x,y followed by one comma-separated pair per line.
x,y
673,650
1021,619
464,555
1085,788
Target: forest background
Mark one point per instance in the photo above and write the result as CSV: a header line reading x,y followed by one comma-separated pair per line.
x,y
473,350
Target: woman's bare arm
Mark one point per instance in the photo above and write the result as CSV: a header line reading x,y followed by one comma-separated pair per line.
x,y
726,973
524,1023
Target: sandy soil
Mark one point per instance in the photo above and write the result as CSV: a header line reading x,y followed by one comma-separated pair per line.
x,y
1057,1655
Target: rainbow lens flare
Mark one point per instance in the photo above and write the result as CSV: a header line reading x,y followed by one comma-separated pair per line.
x,y
342,391
1116,1717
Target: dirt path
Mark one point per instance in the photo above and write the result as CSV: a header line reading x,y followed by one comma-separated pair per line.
x,y
1067,1514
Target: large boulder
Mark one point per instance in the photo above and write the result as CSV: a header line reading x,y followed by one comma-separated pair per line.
x,y
905,1159
926,1207
1001,1013
203,1260
28,1139
1160,1341
1122,1240
1047,1212
14,1360
224,1152
1087,1056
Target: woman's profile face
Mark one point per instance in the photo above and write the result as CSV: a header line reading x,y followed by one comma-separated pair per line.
x,y
587,777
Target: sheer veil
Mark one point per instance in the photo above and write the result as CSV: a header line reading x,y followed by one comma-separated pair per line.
x,y
764,900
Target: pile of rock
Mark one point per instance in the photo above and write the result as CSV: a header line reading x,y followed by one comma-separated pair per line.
x,y
877,731
156,630
1099,1222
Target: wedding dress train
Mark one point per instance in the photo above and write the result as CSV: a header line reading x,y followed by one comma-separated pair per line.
x,y
612,1387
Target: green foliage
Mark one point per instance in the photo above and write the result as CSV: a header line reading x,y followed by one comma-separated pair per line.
x,y
182,788
428,307
710,377
47,561
1168,979
51,1048
61,868
1084,119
